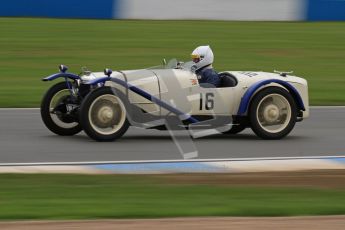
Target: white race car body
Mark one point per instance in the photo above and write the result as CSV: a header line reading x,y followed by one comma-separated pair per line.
x,y
101,103
168,84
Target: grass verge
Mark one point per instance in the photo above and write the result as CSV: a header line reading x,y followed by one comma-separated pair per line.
x,y
38,196
32,48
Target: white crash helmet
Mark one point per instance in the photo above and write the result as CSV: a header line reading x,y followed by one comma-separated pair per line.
x,y
202,56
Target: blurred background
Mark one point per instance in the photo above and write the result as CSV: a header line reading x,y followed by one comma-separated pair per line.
x,y
306,36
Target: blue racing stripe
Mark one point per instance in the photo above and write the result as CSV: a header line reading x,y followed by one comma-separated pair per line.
x,y
146,95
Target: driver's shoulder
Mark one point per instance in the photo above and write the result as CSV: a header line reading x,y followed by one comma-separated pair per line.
x,y
210,72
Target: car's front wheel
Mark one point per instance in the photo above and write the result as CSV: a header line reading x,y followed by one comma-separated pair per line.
x,y
272,113
59,111
103,115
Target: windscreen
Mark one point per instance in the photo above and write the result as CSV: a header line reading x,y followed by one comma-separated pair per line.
x,y
175,64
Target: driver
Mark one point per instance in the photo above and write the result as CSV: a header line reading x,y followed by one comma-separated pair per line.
x,y
202,57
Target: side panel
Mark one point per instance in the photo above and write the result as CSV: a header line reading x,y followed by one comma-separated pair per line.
x,y
181,88
175,87
145,80
213,101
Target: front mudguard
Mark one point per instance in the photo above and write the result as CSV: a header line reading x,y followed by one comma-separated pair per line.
x,y
75,95
61,75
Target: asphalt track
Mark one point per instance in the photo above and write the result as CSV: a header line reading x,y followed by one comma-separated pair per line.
x,y
25,139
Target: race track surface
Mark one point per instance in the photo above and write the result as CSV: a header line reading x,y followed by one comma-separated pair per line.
x,y
25,139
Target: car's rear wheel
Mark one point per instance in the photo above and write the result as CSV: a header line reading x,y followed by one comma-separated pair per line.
x,y
272,113
103,115
58,111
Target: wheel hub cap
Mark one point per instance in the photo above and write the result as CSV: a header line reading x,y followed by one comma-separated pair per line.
x,y
106,114
271,113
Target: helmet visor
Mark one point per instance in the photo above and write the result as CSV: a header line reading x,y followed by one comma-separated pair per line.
x,y
195,58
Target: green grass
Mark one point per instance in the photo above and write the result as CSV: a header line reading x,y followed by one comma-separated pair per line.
x,y
122,196
32,48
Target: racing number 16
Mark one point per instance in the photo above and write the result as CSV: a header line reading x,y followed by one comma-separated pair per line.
x,y
209,102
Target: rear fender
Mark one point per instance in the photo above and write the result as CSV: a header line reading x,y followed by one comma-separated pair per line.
x,y
244,105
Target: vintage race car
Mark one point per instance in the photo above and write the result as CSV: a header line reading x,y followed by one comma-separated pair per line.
x,y
105,104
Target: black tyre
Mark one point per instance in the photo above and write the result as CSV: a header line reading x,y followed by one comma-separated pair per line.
x,y
103,114
272,113
54,111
